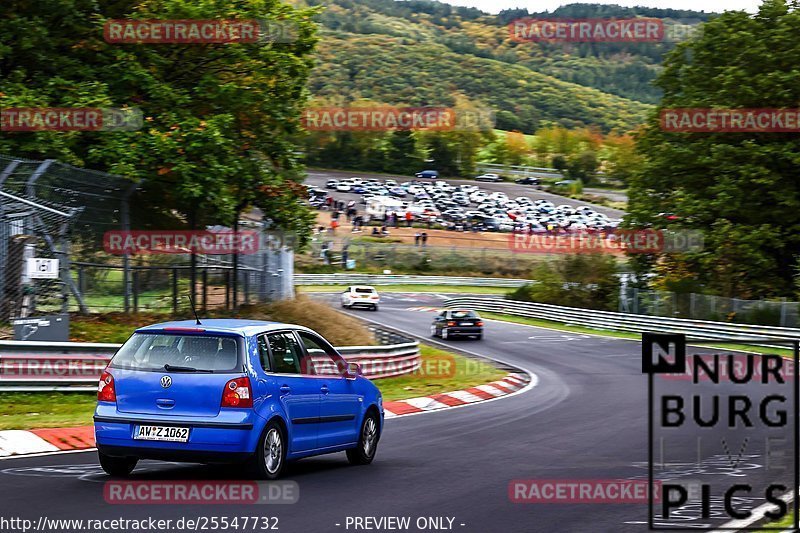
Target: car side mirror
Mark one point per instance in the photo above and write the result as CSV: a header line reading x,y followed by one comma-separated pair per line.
x,y
352,371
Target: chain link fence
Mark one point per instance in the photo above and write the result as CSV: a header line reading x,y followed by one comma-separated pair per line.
x,y
707,307
50,210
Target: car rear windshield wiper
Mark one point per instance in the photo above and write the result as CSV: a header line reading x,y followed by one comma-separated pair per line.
x,y
172,368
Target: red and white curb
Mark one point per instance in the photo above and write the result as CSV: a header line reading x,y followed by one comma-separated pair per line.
x,y
512,383
41,441
19,442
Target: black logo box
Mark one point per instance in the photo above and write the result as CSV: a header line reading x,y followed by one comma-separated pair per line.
x,y
674,344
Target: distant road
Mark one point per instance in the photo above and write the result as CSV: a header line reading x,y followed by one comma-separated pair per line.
x,y
319,177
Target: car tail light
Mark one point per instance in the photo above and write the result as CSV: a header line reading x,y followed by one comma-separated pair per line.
x,y
374,296
237,393
451,323
105,388
478,323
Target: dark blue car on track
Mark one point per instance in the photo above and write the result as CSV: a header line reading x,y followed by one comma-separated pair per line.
x,y
261,393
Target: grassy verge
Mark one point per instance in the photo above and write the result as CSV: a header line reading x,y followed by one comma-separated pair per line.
x,y
454,289
623,334
442,372
33,410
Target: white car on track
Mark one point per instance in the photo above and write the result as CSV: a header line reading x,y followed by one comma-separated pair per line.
x,y
360,296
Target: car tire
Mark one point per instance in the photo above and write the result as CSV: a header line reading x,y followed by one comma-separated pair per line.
x,y
364,452
479,337
444,333
117,466
375,307
269,460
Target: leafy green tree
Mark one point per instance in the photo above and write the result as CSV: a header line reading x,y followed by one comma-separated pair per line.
x,y
583,166
740,189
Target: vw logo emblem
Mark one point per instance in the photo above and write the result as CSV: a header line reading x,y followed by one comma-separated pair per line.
x,y
166,381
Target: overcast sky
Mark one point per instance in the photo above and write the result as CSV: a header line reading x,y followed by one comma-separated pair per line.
x,y
494,6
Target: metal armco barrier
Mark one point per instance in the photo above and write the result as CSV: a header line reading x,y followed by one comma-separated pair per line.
x,y
76,366
386,279
627,322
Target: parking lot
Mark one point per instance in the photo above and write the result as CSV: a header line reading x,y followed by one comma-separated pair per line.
x,y
463,204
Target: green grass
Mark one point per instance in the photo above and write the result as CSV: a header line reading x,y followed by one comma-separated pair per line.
x,y
28,410
467,289
623,334
34,410
442,371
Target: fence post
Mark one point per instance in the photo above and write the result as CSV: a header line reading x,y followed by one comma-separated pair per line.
x,y
175,291
227,289
205,289
135,290
783,313
81,281
246,280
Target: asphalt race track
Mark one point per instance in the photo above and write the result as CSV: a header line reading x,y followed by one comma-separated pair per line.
x,y
585,419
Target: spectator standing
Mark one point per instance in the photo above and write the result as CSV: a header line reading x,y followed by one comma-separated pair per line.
x,y
416,238
409,218
424,238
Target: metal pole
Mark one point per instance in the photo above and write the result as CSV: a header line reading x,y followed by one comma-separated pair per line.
x,y
175,291
135,291
205,289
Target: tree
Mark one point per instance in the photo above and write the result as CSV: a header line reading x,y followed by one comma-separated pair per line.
x,y
740,189
219,118
583,166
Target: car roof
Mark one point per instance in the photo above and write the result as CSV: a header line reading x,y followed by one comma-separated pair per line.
x,y
224,325
363,287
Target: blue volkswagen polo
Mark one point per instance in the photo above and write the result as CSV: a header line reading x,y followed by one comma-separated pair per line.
x,y
262,393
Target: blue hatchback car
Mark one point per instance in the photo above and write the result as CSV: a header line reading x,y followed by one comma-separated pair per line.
x,y
262,393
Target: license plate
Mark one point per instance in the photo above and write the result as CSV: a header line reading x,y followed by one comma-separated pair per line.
x,y
162,433
466,323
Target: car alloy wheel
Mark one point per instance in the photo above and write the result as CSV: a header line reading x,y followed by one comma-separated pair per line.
x,y
444,333
433,331
364,452
369,436
273,451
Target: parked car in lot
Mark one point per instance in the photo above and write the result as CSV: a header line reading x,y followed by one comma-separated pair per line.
x,y
360,296
457,323
262,393
432,174
489,177
527,181
331,184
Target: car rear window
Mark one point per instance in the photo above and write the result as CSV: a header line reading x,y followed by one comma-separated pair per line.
x,y
464,314
200,353
365,291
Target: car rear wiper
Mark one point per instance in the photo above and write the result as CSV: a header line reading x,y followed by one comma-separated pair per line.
x,y
170,368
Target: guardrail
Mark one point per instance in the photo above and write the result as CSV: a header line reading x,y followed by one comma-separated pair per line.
x,y
28,366
399,279
592,318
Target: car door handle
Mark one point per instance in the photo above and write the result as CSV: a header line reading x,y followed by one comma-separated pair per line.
x,y
286,389
324,389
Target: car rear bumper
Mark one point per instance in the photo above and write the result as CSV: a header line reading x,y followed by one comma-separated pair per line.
x,y
173,454
363,303
463,331
213,436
